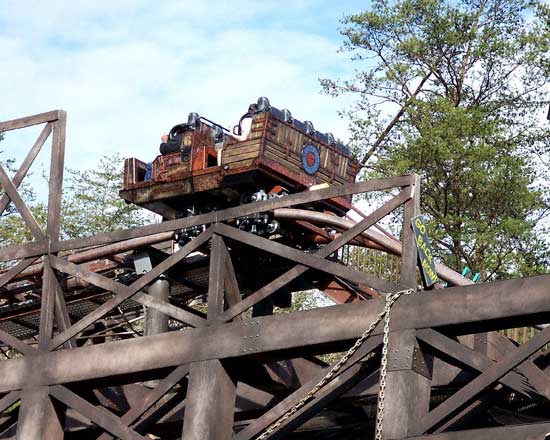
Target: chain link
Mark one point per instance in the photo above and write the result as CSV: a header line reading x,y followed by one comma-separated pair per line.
x,y
391,298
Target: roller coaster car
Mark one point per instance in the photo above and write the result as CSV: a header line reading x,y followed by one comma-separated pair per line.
x,y
280,152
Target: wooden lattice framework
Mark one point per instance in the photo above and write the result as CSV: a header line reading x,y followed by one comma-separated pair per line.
x,y
206,370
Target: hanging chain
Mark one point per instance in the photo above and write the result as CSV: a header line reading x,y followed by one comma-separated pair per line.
x,y
391,298
384,367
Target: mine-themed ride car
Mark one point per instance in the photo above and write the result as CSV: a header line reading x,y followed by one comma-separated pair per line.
x,y
208,169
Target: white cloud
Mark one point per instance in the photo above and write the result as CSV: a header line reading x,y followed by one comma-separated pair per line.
x,y
127,71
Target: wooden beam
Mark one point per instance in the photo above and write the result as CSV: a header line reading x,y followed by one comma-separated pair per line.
x,y
216,277
169,309
176,376
210,403
466,357
15,270
536,378
534,431
232,291
231,213
29,121
480,383
484,305
408,385
123,292
47,307
56,177
326,251
310,260
27,162
38,417
211,392
18,202
100,416
61,313
409,256
274,414
8,400
27,250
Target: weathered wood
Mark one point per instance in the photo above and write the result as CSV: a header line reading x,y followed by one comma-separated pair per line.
x,y
231,213
467,357
216,276
330,248
534,431
156,321
407,394
232,291
123,292
480,383
16,343
211,392
15,270
409,256
16,199
27,250
27,162
37,417
287,334
47,307
330,392
9,399
293,162
536,378
305,259
210,402
60,310
28,121
169,310
240,164
152,397
100,416
275,413
56,177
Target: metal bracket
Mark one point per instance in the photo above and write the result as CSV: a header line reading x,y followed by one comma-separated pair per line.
x,y
142,263
419,364
410,358
400,359
251,337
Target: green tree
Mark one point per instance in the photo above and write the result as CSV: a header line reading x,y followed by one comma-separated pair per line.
x,y
90,205
467,81
91,202
12,227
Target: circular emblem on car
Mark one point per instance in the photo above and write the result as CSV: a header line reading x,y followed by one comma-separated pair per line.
x,y
311,159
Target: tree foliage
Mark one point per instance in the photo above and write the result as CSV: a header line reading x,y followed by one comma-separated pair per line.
x,y
467,82
90,205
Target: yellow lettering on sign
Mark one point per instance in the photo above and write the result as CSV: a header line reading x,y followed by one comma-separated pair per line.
x,y
420,226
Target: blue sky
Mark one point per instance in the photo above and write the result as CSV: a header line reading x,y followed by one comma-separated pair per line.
x,y
127,71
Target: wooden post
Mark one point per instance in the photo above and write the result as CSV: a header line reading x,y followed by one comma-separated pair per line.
x,y
38,417
156,322
408,384
211,392
408,379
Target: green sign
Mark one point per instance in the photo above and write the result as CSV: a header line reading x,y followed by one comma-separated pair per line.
x,y
429,275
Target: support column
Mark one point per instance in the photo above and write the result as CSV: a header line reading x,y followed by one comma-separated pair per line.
x,y
211,392
157,322
409,371
408,384
38,417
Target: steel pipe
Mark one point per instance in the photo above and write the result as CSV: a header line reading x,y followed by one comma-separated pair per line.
x,y
392,246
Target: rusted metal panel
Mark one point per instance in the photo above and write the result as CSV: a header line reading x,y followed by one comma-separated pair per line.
x,y
274,148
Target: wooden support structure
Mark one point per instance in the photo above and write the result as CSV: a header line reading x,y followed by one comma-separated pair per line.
x,y
224,374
